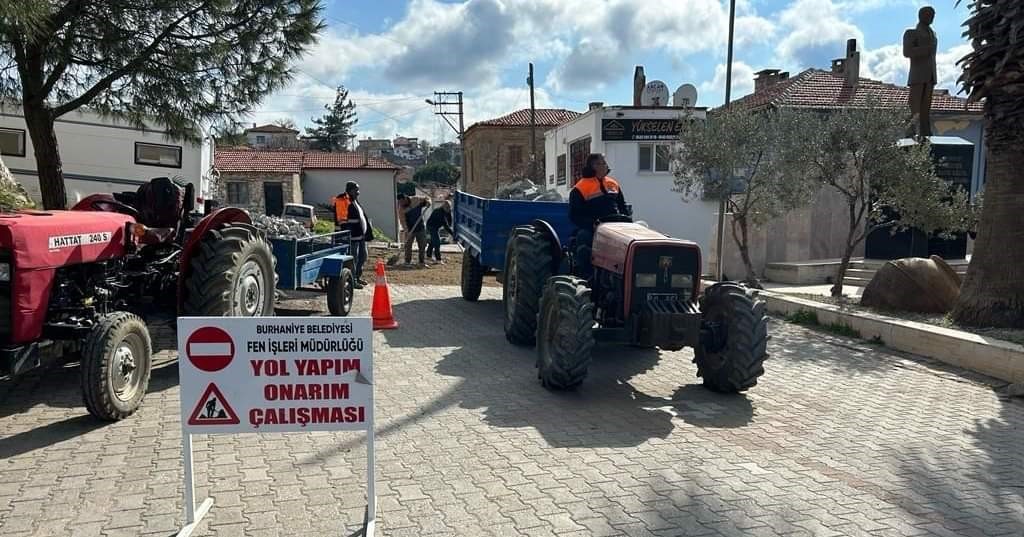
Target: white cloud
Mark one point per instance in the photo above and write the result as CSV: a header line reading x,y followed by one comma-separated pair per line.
x,y
742,81
815,33
888,65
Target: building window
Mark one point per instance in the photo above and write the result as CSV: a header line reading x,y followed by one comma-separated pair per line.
x,y
654,157
168,156
515,156
260,139
560,172
238,193
578,152
12,142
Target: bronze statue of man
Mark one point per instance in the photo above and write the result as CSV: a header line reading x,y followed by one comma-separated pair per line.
x,y
920,44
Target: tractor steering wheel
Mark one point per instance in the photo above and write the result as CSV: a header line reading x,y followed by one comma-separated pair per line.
x,y
118,207
616,217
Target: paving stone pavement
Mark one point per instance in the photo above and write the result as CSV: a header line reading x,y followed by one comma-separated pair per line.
x,y
838,438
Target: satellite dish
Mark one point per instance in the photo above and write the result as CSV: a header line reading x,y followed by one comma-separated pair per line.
x,y
655,94
685,96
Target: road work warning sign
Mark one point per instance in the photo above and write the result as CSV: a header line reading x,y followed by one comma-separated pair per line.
x,y
274,374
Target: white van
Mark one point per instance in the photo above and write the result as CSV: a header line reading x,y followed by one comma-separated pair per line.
x,y
301,213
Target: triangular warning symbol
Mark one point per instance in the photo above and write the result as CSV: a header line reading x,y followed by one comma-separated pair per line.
x,y
213,409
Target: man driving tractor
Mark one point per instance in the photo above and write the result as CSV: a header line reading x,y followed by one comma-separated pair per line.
x,y
595,196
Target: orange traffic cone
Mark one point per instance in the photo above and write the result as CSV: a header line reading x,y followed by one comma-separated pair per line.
x,y
383,319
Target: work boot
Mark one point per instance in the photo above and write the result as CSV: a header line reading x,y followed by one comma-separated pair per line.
x,y
358,285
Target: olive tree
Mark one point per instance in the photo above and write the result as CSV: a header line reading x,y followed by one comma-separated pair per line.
x,y
744,157
884,184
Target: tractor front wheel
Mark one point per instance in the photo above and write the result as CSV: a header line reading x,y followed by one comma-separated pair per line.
x,y
472,276
340,293
565,333
117,359
731,357
232,274
528,262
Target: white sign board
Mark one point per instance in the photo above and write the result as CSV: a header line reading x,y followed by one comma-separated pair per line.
x,y
274,375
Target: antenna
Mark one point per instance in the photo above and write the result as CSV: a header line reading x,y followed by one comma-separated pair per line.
x,y
685,96
655,94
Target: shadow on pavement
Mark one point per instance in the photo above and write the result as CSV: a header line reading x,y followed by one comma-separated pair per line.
x,y
606,411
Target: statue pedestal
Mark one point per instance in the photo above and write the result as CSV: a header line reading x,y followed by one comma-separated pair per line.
x,y
953,158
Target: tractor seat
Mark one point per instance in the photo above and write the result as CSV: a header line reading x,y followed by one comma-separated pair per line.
x,y
160,203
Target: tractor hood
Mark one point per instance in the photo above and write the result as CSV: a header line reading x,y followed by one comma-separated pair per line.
x,y
51,239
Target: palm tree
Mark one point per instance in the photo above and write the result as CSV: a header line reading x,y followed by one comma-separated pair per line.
x,y
993,293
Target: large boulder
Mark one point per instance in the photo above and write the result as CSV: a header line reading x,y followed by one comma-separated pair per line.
x,y
913,284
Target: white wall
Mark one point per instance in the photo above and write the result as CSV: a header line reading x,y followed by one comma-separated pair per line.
x,y
650,193
557,141
376,193
98,155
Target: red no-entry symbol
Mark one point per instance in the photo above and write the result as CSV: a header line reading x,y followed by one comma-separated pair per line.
x,y
210,349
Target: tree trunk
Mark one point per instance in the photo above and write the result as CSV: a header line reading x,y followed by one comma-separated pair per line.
x,y
745,254
851,243
993,292
44,141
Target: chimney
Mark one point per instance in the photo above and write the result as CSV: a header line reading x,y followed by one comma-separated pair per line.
x,y
595,105
639,81
767,78
849,66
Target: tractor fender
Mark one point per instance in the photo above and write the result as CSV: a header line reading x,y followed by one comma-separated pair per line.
x,y
214,220
546,230
85,204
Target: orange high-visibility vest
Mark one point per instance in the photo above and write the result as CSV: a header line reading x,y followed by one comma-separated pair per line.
x,y
341,204
590,187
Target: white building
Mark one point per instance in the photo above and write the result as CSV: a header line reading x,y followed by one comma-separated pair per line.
x,y
100,155
636,141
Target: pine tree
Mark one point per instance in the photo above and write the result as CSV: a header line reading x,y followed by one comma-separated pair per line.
x,y
332,130
176,63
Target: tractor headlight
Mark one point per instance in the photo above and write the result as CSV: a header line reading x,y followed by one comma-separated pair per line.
x,y
684,281
646,280
5,272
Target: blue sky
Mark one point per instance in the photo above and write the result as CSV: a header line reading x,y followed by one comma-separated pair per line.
x,y
392,55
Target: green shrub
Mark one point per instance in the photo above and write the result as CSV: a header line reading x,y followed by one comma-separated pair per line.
x,y
323,226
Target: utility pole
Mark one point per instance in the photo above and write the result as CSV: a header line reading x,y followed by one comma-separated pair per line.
x,y
725,195
533,131
443,100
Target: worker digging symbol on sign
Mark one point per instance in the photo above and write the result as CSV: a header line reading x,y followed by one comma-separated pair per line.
x,y
212,411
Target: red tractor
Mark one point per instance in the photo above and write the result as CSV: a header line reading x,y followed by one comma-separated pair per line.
x,y
76,284
644,290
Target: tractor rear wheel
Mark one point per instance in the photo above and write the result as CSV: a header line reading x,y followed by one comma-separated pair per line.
x,y
472,276
232,274
528,262
340,293
117,359
732,358
565,333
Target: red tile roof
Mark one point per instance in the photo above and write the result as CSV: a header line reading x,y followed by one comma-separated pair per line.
x,y
545,117
270,128
240,160
271,161
323,160
818,89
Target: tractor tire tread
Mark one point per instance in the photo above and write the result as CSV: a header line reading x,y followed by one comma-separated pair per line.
x,y
746,348
212,267
94,366
571,361
472,280
533,267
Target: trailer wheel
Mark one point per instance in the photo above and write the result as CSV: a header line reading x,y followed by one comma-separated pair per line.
x,y
117,359
527,268
732,358
565,333
472,276
232,274
340,293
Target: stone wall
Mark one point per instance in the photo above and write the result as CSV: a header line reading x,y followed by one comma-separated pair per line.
x,y
290,188
490,155
815,232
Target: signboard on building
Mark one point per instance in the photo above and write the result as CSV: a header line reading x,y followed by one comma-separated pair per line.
x,y
274,374
622,129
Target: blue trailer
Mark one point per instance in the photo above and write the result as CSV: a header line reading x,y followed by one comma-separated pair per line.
x,y
321,260
483,227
